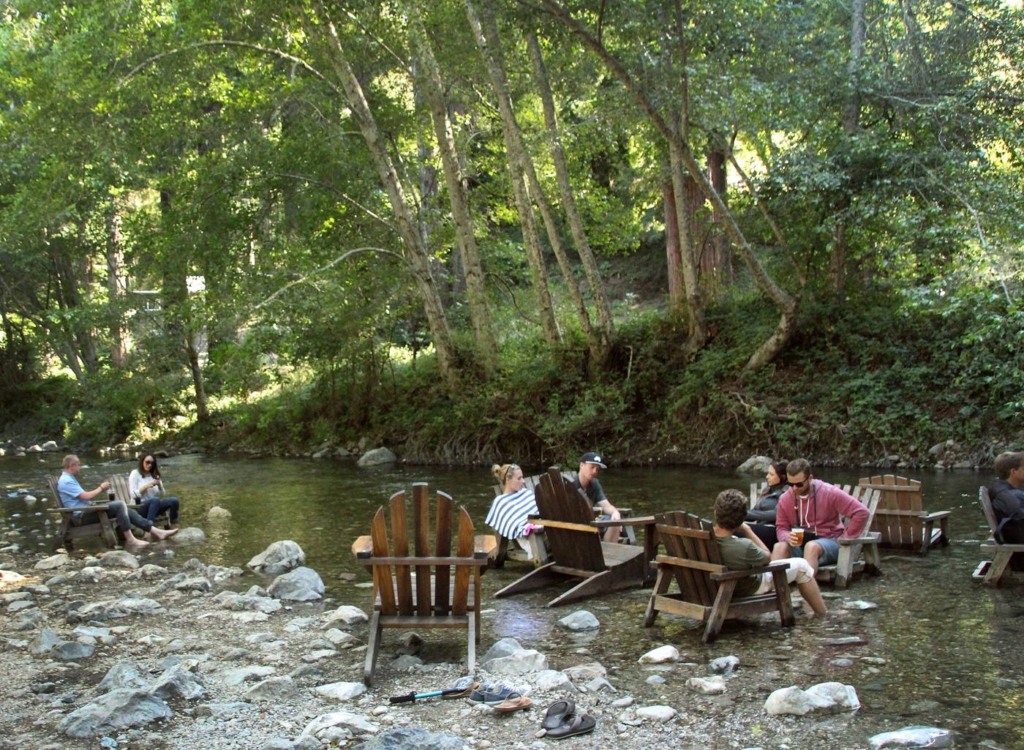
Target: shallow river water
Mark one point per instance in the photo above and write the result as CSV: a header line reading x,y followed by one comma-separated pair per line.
x,y
943,650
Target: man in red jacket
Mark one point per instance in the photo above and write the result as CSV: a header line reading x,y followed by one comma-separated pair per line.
x,y
815,507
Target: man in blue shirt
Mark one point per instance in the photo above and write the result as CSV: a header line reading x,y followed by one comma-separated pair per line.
x,y
73,496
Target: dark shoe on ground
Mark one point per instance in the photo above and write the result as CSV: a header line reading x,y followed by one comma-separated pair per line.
x,y
556,713
574,724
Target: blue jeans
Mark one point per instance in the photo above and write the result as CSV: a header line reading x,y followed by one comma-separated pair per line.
x,y
125,517
829,551
154,506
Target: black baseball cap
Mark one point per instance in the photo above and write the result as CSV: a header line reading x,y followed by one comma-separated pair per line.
x,y
593,458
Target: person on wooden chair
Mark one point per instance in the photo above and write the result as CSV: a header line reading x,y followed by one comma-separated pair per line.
x,y
814,508
510,512
749,551
762,516
73,496
586,480
1007,494
147,488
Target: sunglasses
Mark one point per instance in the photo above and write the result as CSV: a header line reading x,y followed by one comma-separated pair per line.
x,y
798,485
147,463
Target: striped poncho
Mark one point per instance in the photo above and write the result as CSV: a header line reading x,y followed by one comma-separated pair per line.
x,y
510,513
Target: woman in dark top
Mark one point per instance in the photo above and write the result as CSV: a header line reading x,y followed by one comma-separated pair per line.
x,y
761,517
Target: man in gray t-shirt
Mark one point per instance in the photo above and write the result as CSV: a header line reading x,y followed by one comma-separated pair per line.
x,y
586,480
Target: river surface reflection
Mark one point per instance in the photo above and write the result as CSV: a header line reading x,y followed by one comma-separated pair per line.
x,y
942,650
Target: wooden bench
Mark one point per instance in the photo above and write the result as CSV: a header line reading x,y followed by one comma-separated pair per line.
x,y
901,519
539,553
858,555
431,587
71,526
706,586
122,492
577,552
995,571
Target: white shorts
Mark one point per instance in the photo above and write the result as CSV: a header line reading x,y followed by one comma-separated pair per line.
x,y
799,571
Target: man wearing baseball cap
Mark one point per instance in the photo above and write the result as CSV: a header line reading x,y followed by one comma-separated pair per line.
x,y
590,464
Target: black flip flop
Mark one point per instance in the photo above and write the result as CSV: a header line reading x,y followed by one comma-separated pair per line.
x,y
556,714
580,724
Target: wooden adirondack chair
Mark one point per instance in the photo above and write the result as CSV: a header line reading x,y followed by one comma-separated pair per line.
x,y
574,539
995,571
539,553
72,527
900,518
122,492
706,586
856,555
432,587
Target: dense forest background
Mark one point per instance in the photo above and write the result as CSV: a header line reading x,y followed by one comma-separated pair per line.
x,y
480,229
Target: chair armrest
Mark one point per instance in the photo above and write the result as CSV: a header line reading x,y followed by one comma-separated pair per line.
x,y
484,544
591,527
81,509
363,546
729,575
871,537
632,521
936,515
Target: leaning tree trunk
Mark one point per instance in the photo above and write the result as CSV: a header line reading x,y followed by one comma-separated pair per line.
x,y
416,254
476,291
538,274
116,288
673,257
785,303
606,326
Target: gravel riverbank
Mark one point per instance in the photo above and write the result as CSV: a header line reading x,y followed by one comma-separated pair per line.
x,y
219,664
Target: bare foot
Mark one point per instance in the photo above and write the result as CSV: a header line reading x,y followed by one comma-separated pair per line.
x,y
160,534
146,536
131,543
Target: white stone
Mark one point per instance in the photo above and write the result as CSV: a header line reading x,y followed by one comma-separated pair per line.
x,y
659,714
579,621
52,563
660,655
913,737
521,662
707,685
218,512
346,616
341,691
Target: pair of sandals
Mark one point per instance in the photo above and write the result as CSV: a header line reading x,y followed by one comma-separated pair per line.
x,y
561,721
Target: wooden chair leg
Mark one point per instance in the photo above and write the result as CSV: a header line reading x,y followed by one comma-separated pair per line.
x,y
719,610
844,567
596,584
535,579
372,647
63,538
499,558
474,634
109,537
785,602
998,567
660,588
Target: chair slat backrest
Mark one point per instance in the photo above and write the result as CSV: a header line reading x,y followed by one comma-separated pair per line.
x,y
52,484
755,492
531,483
688,537
558,499
121,487
902,526
986,507
431,591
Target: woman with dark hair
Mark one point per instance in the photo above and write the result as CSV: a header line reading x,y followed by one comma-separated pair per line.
x,y
510,512
147,488
761,517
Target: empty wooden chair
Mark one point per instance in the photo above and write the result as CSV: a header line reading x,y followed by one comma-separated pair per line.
x,y
430,586
72,527
706,586
856,555
119,483
901,519
995,571
577,552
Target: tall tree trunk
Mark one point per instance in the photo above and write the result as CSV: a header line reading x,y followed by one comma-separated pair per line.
x,y
416,254
697,325
491,52
116,288
850,120
785,303
676,296
469,253
606,326
719,256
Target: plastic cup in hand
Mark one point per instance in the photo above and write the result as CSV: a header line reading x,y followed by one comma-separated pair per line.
x,y
796,537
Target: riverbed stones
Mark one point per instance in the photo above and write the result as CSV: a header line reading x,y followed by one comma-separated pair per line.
x,y
707,685
119,559
755,465
177,682
53,562
73,650
189,535
118,709
657,714
826,697
279,557
913,737
341,691
45,642
218,513
113,609
340,718
660,655
125,674
500,649
579,621
346,617
376,457
300,585
586,672
519,662
550,680
272,689
724,665
415,738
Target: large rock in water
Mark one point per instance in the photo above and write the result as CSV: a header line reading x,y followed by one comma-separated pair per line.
x,y
279,557
376,457
826,697
913,737
118,709
413,738
755,465
301,585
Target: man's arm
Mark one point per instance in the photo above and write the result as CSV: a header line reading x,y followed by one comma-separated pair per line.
x,y
749,534
784,516
88,496
854,510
